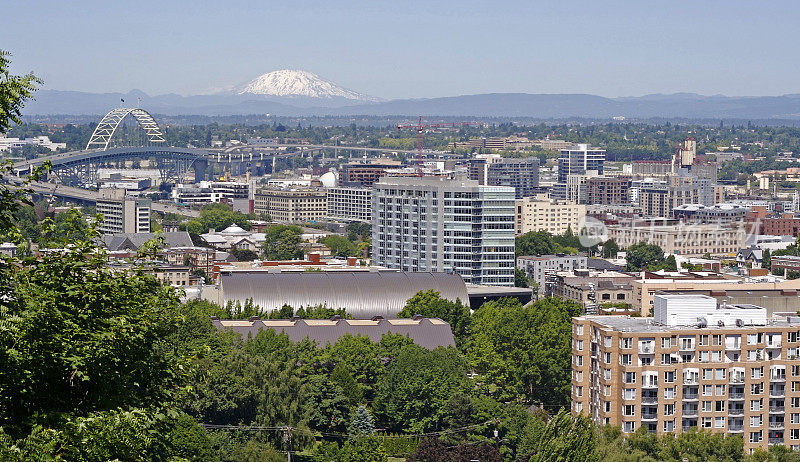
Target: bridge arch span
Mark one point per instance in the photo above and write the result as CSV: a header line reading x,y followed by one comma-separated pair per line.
x,y
110,122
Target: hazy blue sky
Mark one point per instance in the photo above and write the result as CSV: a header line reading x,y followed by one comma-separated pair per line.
x,y
400,49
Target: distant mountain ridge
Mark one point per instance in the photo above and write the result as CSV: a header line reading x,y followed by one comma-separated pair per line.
x,y
545,106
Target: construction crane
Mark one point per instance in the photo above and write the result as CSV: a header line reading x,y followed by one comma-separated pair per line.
x,y
420,127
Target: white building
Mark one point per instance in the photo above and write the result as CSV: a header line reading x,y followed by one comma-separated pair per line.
x,y
539,267
206,192
234,237
542,214
6,143
349,203
123,214
436,224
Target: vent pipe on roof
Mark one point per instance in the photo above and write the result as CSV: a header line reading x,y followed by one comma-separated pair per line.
x,y
294,318
336,317
417,317
215,318
377,318
253,318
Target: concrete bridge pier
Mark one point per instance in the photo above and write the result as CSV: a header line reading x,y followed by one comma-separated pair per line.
x,y
200,167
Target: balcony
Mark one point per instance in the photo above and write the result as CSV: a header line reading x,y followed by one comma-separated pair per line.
x,y
737,379
735,428
650,416
736,396
689,412
776,441
777,378
690,396
777,409
777,393
649,399
691,381
776,425
646,349
736,411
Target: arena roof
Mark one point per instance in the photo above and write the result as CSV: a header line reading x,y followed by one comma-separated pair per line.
x,y
363,294
426,332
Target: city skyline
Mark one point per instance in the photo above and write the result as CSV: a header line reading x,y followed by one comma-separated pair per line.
x,y
415,51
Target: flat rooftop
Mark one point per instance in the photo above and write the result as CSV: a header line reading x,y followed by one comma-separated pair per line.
x,y
647,325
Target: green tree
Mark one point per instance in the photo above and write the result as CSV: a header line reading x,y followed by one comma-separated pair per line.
x,y
15,90
361,422
766,259
521,278
610,249
412,394
430,304
645,256
281,243
217,217
340,246
523,353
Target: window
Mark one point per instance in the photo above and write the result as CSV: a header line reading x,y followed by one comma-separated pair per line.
x,y
669,376
607,406
628,427
578,329
795,402
705,406
706,422
756,420
755,437
578,376
626,342
607,358
756,388
578,360
607,374
794,418
607,341
719,390
716,356
579,391
704,356
716,340
707,390
756,404
666,358
756,372
625,359
579,345
719,422
703,340
794,434
629,377
669,425
720,374
629,393
719,406
708,374
629,410
665,342
645,361
669,393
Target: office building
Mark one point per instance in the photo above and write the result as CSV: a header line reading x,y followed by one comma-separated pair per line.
x,y
292,205
123,214
349,203
694,365
435,224
207,192
542,214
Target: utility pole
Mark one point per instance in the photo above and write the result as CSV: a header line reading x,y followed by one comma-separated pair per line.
x,y
288,439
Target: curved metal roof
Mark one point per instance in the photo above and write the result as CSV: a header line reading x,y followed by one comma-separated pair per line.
x,y
362,294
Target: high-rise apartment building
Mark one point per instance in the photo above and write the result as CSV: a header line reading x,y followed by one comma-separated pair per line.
x,y
521,174
579,159
605,190
123,214
575,164
349,203
436,224
694,365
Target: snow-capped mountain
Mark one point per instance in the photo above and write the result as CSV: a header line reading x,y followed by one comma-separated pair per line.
x,y
304,84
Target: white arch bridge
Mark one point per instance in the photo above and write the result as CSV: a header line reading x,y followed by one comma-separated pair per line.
x,y
80,167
